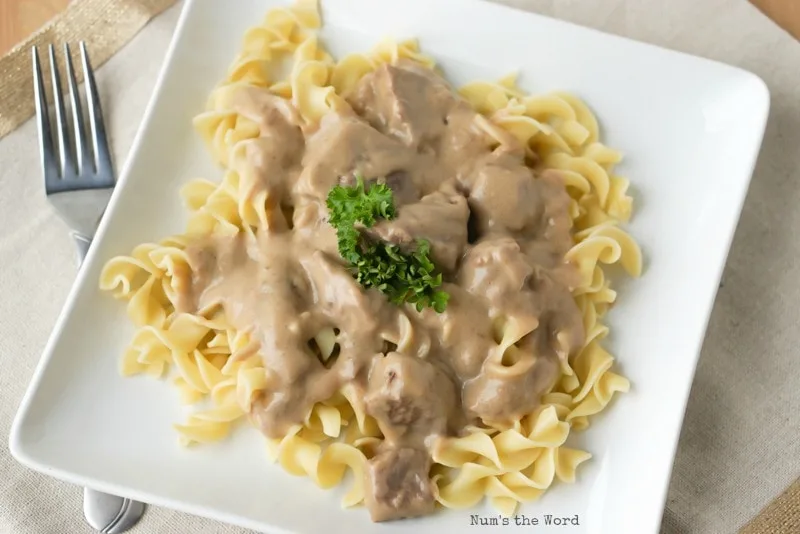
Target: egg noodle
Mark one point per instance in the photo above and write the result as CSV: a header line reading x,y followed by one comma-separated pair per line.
x,y
508,465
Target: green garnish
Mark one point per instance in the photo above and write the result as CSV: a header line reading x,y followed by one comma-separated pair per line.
x,y
401,276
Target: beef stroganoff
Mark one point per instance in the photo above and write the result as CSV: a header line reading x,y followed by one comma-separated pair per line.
x,y
441,345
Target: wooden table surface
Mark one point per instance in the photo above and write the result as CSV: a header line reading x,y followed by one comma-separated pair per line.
x,y
784,12
20,18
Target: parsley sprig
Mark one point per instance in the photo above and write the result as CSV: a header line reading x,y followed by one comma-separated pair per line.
x,y
401,276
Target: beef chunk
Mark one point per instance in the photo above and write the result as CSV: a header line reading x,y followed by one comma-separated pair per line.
x,y
410,398
439,218
398,485
496,269
505,197
406,101
342,146
503,398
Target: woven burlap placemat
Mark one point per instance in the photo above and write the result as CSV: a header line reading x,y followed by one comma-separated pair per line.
x,y
106,26
781,516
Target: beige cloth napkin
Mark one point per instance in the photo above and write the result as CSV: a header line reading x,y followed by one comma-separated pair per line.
x,y
739,448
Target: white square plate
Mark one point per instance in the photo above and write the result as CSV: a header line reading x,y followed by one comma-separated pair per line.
x,y
691,130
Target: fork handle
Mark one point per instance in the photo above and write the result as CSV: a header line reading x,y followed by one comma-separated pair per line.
x,y
82,243
104,512
108,513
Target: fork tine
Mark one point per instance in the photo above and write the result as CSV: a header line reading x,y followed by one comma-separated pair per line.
x,y
81,145
45,136
66,164
101,153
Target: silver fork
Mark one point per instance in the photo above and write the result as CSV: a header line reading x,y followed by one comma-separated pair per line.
x,y
78,181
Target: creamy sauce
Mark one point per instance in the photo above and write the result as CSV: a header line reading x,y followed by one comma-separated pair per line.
x,y
498,233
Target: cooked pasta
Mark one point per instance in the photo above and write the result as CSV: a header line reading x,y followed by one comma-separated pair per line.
x,y
263,130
